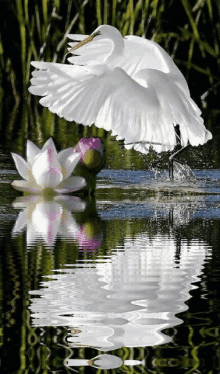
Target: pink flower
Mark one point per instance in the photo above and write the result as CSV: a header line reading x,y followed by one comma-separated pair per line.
x,y
91,151
89,143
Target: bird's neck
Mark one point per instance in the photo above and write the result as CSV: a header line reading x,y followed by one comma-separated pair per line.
x,y
117,48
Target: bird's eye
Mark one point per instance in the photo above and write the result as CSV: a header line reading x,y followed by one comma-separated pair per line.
x,y
96,34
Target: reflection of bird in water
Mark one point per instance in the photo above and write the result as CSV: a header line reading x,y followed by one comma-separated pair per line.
x,y
124,299
127,85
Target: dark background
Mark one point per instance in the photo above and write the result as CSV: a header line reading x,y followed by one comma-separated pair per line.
x,y
35,29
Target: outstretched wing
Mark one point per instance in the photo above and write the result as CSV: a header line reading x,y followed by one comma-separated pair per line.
x,y
150,55
139,53
112,100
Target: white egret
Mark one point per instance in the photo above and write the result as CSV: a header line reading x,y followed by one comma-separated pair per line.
x,y
129,86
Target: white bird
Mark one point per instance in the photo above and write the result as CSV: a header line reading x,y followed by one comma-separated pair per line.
x,y
128,85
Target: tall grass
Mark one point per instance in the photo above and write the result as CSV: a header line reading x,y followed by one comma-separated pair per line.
x,y
191,34
37,30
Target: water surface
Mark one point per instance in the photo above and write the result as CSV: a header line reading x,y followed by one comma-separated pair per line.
x,y
126,281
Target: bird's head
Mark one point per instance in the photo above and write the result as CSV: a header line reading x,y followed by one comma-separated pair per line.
x,y
102,32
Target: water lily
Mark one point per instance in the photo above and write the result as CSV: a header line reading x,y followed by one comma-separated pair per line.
x,y
45,169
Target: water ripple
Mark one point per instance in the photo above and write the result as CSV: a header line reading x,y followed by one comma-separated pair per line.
x,y
126,299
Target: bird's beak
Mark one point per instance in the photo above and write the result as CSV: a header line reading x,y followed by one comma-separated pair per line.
x,y
84,41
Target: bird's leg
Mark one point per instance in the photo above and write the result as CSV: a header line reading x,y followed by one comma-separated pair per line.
x,y
171,161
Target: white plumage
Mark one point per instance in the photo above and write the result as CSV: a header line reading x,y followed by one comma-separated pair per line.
x,y
129,86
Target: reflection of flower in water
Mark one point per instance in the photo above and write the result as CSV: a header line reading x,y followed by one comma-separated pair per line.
x,y
90,235
126,299
47,219
46,168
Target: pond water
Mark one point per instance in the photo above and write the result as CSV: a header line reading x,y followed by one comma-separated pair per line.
x,y
125,282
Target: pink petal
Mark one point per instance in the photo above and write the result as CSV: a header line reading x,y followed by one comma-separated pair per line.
x,y
71,184
21,165
49,145
89,143
86,241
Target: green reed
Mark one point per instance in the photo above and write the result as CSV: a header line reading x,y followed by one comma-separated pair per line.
x,y
192,38
43,25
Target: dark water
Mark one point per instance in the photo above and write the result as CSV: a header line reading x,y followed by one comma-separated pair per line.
x,y
127,282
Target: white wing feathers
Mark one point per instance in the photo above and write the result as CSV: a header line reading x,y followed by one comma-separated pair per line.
x,y
114,101
139,53
70,93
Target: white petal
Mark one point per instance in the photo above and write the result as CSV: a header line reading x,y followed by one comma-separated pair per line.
x,y
32,152
21,165
32,235
71,184
64,158
28,201
50,178
47,212
46,169
19,204
68,227
62,155
49,145
70,163
46,220
21,222
25,186
72,203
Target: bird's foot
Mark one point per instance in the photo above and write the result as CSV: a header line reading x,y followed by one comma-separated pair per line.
x,y
171,160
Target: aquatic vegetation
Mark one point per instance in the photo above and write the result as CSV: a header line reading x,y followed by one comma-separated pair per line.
x,y
38,30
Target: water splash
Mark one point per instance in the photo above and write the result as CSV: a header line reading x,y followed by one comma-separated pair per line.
x,y
182,171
